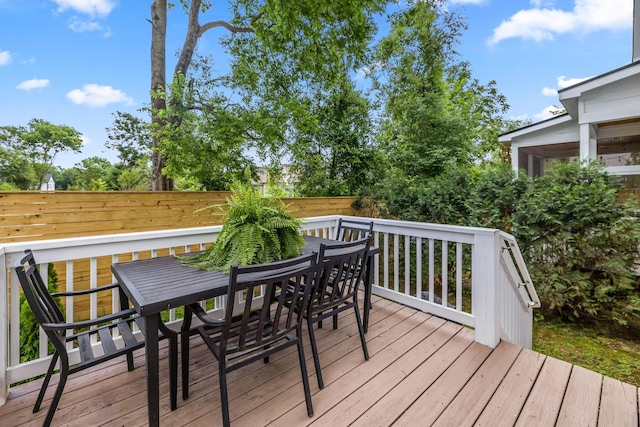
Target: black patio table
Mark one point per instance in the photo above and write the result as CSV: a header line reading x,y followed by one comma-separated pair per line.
x,y
157,284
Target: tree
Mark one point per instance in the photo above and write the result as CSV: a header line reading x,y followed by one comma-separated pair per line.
x,y
315,36
331,145
436,115
41,142
95,174
131,137
16,172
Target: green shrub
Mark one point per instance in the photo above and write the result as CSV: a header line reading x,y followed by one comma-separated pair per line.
x,y
443,199
29,328
580,244
495,195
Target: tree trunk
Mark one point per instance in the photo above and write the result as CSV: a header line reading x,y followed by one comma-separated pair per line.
x,y
158,83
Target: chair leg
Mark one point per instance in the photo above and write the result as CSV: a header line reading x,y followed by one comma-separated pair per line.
x,y
224,398
305,376
130,361
45,383
314,349
335,321
64,372
361,330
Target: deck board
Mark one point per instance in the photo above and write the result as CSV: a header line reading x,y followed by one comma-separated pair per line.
x,y
473,398
422,370
543,404
618,405
582,399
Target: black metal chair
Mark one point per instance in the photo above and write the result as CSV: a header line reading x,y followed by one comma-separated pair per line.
x,y
341,270
264,326
53,322
350,229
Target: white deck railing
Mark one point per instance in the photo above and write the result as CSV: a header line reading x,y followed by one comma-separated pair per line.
x,y
485,284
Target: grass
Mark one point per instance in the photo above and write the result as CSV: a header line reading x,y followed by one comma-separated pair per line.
x,y
610,350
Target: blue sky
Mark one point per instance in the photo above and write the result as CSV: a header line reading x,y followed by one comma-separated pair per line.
x,y
75,62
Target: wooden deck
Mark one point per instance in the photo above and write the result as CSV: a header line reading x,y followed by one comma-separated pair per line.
x,y
422,371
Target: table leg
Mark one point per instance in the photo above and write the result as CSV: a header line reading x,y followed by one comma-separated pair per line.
x,y
152,356
185,333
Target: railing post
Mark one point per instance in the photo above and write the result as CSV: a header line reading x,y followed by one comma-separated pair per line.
x,y
4,330
485,262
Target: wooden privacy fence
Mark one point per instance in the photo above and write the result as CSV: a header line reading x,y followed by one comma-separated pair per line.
x,y
29,216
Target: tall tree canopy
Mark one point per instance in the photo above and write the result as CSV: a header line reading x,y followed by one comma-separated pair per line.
x,y
311,39
436,115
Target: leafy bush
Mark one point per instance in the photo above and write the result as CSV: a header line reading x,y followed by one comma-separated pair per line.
x,y
29,328
495,195
256,230
442,199
580,243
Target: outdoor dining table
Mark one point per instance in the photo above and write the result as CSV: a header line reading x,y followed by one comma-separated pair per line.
x,y
162,283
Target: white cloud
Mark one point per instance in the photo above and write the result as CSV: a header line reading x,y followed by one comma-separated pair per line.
x,y
562,83
33,84
85,26
95,95
88,7
5,57
587,16
85,140
547,112
565,82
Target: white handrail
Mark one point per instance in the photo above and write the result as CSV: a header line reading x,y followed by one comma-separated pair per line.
x,y
511,259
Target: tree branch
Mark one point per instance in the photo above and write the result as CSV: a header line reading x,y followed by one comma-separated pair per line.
x,y
225,24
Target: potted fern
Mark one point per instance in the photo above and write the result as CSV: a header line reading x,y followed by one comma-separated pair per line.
x,y
256,230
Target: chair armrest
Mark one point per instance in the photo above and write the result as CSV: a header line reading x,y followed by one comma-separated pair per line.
x,y
204,316
86,291
124,314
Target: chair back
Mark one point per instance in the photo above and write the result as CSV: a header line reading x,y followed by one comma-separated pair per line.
x,y
285,287
341,267
349,229
42,304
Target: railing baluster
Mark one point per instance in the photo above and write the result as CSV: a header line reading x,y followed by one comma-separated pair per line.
x,y
445,272
68,303
407,265
418,267
376,263
459,268
396,263
386,260
432,262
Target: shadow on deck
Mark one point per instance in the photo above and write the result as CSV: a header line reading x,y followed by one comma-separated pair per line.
x,y
423,371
